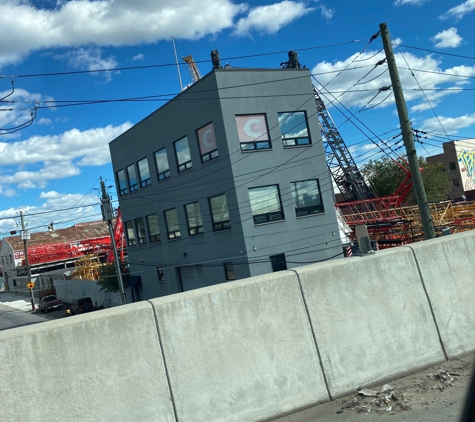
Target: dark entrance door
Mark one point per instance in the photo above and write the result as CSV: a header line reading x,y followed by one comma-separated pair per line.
x,y
278,262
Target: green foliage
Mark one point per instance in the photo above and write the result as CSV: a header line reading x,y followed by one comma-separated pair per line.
x,y
385,176
108,280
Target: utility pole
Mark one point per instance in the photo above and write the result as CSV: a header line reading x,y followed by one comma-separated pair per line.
x,y
107,216
25,236
421,197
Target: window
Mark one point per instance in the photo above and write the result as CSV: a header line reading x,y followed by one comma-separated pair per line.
x,y
278,262
153,229
171,218
293,127
141,234
307,197
129,227
161,275
161,160
207,142
252,132
452,165
195,223
229,271
133,186
265,204
183,156
219,213
456,182
122,182
144,173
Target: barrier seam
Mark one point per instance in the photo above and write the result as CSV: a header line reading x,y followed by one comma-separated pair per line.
x,y
164,361
313,335
429,301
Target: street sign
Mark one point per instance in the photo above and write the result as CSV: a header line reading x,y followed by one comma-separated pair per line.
x,y
30,285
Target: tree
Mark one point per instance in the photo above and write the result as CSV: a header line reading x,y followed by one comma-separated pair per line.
x,y
108,280
385,176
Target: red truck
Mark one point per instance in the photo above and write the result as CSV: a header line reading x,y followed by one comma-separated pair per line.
x,y
50,303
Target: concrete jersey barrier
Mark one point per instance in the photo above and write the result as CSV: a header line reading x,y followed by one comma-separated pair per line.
x,y
250,350
238,352
447,267
371,318
103,366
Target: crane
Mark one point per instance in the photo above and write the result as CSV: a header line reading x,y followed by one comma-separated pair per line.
x,y
193,68
339,160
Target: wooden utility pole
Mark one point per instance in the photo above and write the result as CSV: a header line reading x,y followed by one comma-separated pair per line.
x,y
421,197
107,216
25,236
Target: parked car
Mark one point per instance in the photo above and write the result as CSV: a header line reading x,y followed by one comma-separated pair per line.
x,y
80,306
50,303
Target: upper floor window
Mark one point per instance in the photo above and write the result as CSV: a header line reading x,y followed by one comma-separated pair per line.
x,y
133,185
161,160
307,197
265,204
183,156
207,142
252,131
144,173
293,127
122,183
160,274
219,212
171,218
129,228
193,215
141,234
153,229
452,165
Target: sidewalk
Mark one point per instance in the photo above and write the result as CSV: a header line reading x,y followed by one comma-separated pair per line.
x,y
18,302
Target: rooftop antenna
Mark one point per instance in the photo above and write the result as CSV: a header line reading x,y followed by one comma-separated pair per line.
x,y
177,66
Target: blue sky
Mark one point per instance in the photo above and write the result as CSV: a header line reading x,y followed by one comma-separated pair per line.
x,y
51,167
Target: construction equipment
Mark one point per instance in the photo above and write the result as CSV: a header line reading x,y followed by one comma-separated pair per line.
x,y
87,268
68,250
343,168
119,239
193,68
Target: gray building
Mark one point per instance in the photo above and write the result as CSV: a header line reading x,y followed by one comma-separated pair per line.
x,y
226,181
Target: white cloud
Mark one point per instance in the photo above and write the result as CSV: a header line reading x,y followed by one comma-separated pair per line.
x,y
447,38
326,12
351,84
450,124
59,156
89,58
459,11
44,121
108,23
269,19
138,57
53,201
19,111
411,2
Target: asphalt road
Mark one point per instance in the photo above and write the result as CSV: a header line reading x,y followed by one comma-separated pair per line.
x,y
12,318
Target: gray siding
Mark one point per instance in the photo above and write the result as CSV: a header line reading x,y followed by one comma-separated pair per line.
x,y
218,98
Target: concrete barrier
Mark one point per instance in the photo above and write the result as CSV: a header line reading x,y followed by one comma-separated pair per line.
x,y
371,318
250,350
102,366
238,352
447,267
